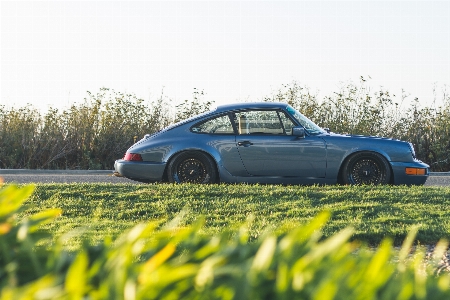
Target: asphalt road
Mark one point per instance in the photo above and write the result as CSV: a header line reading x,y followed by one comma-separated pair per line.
x,y
44,176
25,176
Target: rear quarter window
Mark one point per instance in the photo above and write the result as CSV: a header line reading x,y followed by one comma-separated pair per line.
x,y
217,125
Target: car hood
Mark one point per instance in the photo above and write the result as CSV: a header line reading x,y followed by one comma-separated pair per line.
x,y
392,149
357,136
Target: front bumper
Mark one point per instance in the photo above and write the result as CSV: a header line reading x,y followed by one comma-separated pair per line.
x,y
400,176
140,170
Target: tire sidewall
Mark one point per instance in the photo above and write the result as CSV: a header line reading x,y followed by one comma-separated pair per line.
x,y
375,157
211,173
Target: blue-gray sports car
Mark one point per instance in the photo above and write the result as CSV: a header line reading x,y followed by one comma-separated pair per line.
x,y
267,143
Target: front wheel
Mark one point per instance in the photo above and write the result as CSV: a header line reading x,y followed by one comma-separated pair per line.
x,y
192,167
366,168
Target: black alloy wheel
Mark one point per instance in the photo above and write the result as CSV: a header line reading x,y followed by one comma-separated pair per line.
x,y
192,167
366,168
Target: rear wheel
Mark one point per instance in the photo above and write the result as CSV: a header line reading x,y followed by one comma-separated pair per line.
x,y
366,168
192,167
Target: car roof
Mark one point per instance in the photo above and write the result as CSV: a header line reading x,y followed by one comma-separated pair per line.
x,y
227,107
249,105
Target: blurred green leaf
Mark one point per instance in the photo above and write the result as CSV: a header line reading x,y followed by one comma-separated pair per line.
x,y
12,198
76,279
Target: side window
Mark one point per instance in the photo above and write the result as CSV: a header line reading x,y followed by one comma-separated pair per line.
x,y
263,122
218,125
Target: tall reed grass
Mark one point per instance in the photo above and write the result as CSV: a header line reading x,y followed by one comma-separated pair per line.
x,y
96,132
356,109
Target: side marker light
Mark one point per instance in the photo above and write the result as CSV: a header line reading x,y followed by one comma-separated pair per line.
x,y
415,171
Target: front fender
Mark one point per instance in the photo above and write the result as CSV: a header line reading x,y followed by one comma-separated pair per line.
x,y
340,148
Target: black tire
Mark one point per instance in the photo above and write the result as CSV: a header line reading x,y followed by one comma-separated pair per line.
x,y
366,168
192,167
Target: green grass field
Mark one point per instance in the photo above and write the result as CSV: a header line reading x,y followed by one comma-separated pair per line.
x,y
103,241
374,212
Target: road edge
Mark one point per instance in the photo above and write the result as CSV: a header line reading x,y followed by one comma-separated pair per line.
x,y
103,172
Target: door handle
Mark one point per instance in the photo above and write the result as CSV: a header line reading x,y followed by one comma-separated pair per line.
x,y
245,143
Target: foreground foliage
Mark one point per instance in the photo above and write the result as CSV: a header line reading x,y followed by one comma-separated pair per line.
x,y
172,261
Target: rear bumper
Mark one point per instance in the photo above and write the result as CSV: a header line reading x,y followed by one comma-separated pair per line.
x,y
141,170
400,176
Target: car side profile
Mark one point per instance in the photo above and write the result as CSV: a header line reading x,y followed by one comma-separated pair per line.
x,y
267,143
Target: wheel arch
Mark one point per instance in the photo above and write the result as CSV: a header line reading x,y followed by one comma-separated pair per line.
x,y
350,155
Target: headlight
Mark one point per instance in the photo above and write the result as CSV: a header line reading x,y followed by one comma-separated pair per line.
x,y
413,152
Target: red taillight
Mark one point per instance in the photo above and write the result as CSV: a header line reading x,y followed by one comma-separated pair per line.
x,y
132,157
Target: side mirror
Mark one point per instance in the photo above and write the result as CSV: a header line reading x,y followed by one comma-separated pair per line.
x,y
298,131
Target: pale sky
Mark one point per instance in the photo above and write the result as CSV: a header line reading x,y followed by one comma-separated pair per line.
x,y
52,52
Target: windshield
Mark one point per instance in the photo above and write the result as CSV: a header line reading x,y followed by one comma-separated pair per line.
x,y
304,121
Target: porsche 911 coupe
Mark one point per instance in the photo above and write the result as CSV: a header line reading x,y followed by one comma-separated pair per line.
x,y
267,143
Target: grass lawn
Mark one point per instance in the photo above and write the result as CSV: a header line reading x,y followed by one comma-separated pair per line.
x,y
103,210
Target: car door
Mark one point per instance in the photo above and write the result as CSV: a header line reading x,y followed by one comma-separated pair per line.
x,y
267,147
218,135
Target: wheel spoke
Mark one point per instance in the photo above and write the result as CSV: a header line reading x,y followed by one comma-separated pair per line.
x,y
192,171
366,171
